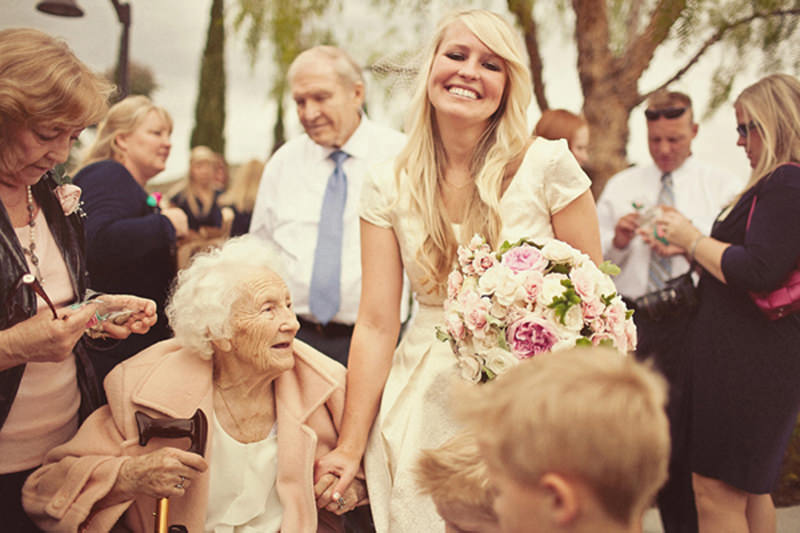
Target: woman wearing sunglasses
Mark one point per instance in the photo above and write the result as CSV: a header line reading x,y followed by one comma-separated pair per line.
x,y
745,397
47,96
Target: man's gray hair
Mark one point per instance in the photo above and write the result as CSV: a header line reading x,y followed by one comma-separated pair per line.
x,y
348,71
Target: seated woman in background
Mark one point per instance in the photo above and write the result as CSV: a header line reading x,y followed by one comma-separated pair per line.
x,y
557,124
198,199
47,96
273,403
130,241
241,195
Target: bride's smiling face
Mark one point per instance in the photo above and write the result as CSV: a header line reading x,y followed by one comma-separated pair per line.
x,y
467,79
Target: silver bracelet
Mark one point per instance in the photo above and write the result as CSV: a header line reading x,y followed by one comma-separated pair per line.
x,y
693,247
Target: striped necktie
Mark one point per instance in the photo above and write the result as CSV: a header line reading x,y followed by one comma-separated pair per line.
x,y
660,269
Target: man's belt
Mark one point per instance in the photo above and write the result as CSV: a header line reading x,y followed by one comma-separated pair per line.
x,y
331,329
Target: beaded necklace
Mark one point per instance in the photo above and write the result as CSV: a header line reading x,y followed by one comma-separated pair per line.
x,y
30,251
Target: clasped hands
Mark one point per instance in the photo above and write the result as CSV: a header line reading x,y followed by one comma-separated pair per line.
x,y
336,487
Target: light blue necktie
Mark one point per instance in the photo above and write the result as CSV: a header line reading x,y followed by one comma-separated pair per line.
x,y
660,269
324,297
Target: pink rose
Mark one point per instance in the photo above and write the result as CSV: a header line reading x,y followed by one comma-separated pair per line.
x,y
524,257
69,196
532,283
592,307
483,261
530,336
454,281
455,326
476,310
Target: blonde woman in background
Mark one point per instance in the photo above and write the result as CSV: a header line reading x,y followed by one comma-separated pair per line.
x,y
469,167
241,195
198,198
130,239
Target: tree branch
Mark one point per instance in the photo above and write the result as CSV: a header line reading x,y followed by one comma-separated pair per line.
x,y
523,10
638,56
715,38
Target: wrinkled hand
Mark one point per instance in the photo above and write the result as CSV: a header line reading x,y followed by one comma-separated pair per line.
x,y
43,339
142,315
664,250
341,464
329,499
178,219
164,473
625,230
677,229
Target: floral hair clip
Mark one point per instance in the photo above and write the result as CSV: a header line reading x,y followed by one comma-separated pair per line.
x,y
68,194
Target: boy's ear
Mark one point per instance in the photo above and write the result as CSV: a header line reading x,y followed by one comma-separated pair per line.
x,y
562,498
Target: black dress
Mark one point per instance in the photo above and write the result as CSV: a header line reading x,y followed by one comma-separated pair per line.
x,y
130,249
211,217
746,368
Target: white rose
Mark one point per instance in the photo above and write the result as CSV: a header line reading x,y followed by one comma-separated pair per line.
x,y
573,319
490,279
500,361
551,288
510,289
559,252
470,368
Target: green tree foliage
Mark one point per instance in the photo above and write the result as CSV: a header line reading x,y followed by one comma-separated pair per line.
x,y
209,129
290,27
617,40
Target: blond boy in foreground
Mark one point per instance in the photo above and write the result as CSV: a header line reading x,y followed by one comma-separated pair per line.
x,y
457,479
575,441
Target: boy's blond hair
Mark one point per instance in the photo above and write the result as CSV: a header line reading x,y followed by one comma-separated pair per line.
x,y
588,413
457,478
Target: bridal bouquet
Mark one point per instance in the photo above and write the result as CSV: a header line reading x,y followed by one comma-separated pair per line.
x,y
526,298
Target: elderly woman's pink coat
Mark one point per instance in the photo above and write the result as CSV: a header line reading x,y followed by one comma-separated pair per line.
x,y
168,381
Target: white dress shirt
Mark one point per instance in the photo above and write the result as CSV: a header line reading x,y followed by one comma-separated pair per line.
x,y
287,208
700,192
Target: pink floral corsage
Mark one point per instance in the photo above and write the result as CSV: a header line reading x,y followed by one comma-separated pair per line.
x,y
70,197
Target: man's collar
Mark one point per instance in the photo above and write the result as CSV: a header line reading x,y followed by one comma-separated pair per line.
x,y
357,145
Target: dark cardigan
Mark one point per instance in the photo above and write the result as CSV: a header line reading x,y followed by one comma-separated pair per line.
x,y
68,234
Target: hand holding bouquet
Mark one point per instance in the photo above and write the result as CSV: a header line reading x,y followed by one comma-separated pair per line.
x,y
526,298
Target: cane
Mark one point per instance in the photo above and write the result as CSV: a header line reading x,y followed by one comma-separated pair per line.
x,y
195,429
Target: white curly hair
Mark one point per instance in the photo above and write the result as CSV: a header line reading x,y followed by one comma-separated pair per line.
x,y
199,308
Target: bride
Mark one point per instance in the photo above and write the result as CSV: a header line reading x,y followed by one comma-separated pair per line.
x,y
469,167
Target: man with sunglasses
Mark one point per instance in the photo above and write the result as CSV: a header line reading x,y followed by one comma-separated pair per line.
x,y
626,208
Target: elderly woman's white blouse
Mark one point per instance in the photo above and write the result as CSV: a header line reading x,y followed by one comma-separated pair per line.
x,y
242,497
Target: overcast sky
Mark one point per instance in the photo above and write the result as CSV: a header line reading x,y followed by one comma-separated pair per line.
x,y
169,35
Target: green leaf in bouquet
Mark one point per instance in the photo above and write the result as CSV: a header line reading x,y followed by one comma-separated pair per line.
x,y
560,268
501,340
562,304
628,314
506,246
608,343
607,267
488,375
607,298
583,341
442,335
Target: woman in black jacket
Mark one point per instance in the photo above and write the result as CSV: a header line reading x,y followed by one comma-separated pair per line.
x,y
744,392
47,96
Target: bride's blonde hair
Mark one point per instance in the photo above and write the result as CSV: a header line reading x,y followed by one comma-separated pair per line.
x,y
421,163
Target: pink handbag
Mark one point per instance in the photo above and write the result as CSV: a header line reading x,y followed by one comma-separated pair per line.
x,y
784,300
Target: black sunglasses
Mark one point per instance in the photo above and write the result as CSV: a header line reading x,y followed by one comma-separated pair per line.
x,y
744,129
668,112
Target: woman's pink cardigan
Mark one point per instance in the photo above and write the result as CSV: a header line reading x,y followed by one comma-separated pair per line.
x,y
167,380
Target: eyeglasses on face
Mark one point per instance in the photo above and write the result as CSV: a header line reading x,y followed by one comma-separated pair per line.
x,y
667,112
744,129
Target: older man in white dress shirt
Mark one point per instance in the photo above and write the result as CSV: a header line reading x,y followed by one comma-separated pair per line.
x,y
676,179
307,203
